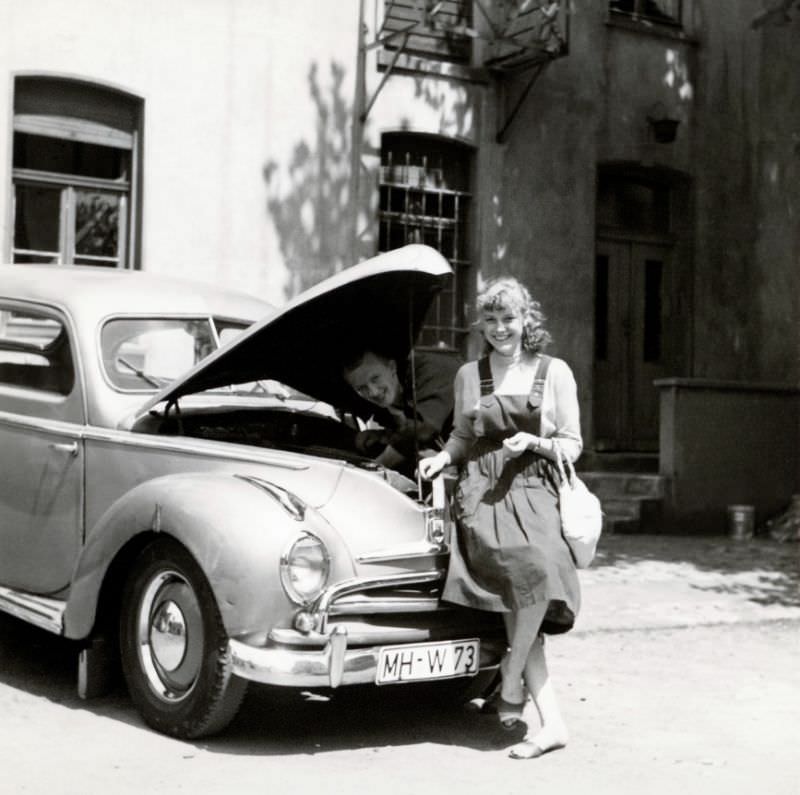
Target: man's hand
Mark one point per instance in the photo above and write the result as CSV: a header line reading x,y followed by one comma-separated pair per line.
x,y
371,442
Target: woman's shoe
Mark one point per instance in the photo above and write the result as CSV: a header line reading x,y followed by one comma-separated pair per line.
x,y
489,706
509,712
528,749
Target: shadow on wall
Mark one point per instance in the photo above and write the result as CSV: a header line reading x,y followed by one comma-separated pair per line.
x,y
312,214
455,116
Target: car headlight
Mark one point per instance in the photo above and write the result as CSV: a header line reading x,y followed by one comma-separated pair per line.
x,y
304,569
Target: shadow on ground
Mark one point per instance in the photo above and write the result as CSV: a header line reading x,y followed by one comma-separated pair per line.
x,y
271,721
764,571
274,722
46,666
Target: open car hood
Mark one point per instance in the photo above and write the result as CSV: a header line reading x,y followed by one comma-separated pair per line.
x,y
379,303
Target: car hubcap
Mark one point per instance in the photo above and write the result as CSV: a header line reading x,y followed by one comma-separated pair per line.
x,y
170,636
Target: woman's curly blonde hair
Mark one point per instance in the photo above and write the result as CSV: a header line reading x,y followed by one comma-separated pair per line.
x,y
507,293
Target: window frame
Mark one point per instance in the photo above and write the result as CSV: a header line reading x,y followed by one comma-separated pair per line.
x,y
41,403
67,221
639,18
425,181
85,112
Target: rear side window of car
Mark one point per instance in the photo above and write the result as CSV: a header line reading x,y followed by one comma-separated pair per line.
x,y
35,352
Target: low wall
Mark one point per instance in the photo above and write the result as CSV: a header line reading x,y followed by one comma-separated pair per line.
x,y
723,443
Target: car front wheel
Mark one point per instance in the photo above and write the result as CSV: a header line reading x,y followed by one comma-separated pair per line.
x,y
174,647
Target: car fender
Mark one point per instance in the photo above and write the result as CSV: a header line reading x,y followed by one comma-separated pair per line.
x,y
237,529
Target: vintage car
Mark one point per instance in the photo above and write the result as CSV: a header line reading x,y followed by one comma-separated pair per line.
x,y
182,494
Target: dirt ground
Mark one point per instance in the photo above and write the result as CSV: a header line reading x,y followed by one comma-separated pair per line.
x,y
681,677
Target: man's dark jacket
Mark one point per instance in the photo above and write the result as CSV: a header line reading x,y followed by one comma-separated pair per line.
x,y
433,377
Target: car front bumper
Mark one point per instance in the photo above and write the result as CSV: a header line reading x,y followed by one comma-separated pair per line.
x,y
331,666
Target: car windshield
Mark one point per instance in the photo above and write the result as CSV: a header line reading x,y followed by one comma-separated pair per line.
x,y
143,354
146,353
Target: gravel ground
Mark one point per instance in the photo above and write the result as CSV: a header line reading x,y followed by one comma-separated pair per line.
x,y
681,677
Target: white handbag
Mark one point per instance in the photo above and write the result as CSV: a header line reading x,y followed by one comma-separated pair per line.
x,y
581,513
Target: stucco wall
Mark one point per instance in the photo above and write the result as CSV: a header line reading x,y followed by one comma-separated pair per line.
x,y
777,245
229,92
584,110
736,93
747,250
725,443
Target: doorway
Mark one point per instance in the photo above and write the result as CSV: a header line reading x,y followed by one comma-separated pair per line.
x,y
632,342
643,304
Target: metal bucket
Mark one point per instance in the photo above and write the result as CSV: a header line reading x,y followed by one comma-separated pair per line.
x,y
741,521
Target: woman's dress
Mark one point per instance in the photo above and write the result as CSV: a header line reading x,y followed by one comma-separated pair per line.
x,y
508,552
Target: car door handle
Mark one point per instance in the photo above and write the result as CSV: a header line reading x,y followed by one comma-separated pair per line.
x,y
65,447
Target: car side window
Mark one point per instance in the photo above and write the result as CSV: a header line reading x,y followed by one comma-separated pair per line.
x,y
35,352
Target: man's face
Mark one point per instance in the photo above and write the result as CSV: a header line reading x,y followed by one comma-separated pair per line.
x,y
375,380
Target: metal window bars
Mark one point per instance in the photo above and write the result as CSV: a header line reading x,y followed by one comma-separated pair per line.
x,y
419,203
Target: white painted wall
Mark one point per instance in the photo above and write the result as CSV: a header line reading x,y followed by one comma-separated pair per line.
x,y
225,86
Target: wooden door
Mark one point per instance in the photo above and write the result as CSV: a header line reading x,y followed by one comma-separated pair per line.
x,y
632,342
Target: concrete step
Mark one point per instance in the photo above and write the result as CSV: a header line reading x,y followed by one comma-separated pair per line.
x,y
609,485
623,508
593,460
613,525
632,514
632,501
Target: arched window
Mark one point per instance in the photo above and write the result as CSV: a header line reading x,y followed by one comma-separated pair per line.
x,y
75,173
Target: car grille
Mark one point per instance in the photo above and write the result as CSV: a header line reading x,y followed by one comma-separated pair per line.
x,y
408,614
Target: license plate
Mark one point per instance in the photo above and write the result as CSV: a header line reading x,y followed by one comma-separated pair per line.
x,y
417,662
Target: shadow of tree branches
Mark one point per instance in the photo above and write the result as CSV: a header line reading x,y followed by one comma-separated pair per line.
x,y
312,216
454,117
773,567
314,213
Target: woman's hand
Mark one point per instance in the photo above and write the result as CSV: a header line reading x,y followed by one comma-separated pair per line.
x,y
429,468
520,442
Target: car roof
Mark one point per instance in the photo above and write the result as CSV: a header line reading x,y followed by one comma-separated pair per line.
x,y
91,292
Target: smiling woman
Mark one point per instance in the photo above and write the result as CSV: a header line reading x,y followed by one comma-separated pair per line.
x,y
515,408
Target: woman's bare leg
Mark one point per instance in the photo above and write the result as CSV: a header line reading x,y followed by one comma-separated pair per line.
x,y
553,732
522,627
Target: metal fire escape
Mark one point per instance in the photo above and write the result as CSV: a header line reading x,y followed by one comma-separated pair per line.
x,y
494,39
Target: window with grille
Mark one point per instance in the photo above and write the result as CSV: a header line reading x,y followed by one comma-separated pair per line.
x,y
425,198
667,12
74,173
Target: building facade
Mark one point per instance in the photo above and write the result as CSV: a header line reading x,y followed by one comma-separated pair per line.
x,y
635,162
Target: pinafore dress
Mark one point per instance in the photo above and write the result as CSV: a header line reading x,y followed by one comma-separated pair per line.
x,y
508,552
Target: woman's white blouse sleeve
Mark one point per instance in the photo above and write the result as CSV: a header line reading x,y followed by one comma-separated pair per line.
x,y
466,391
561,418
